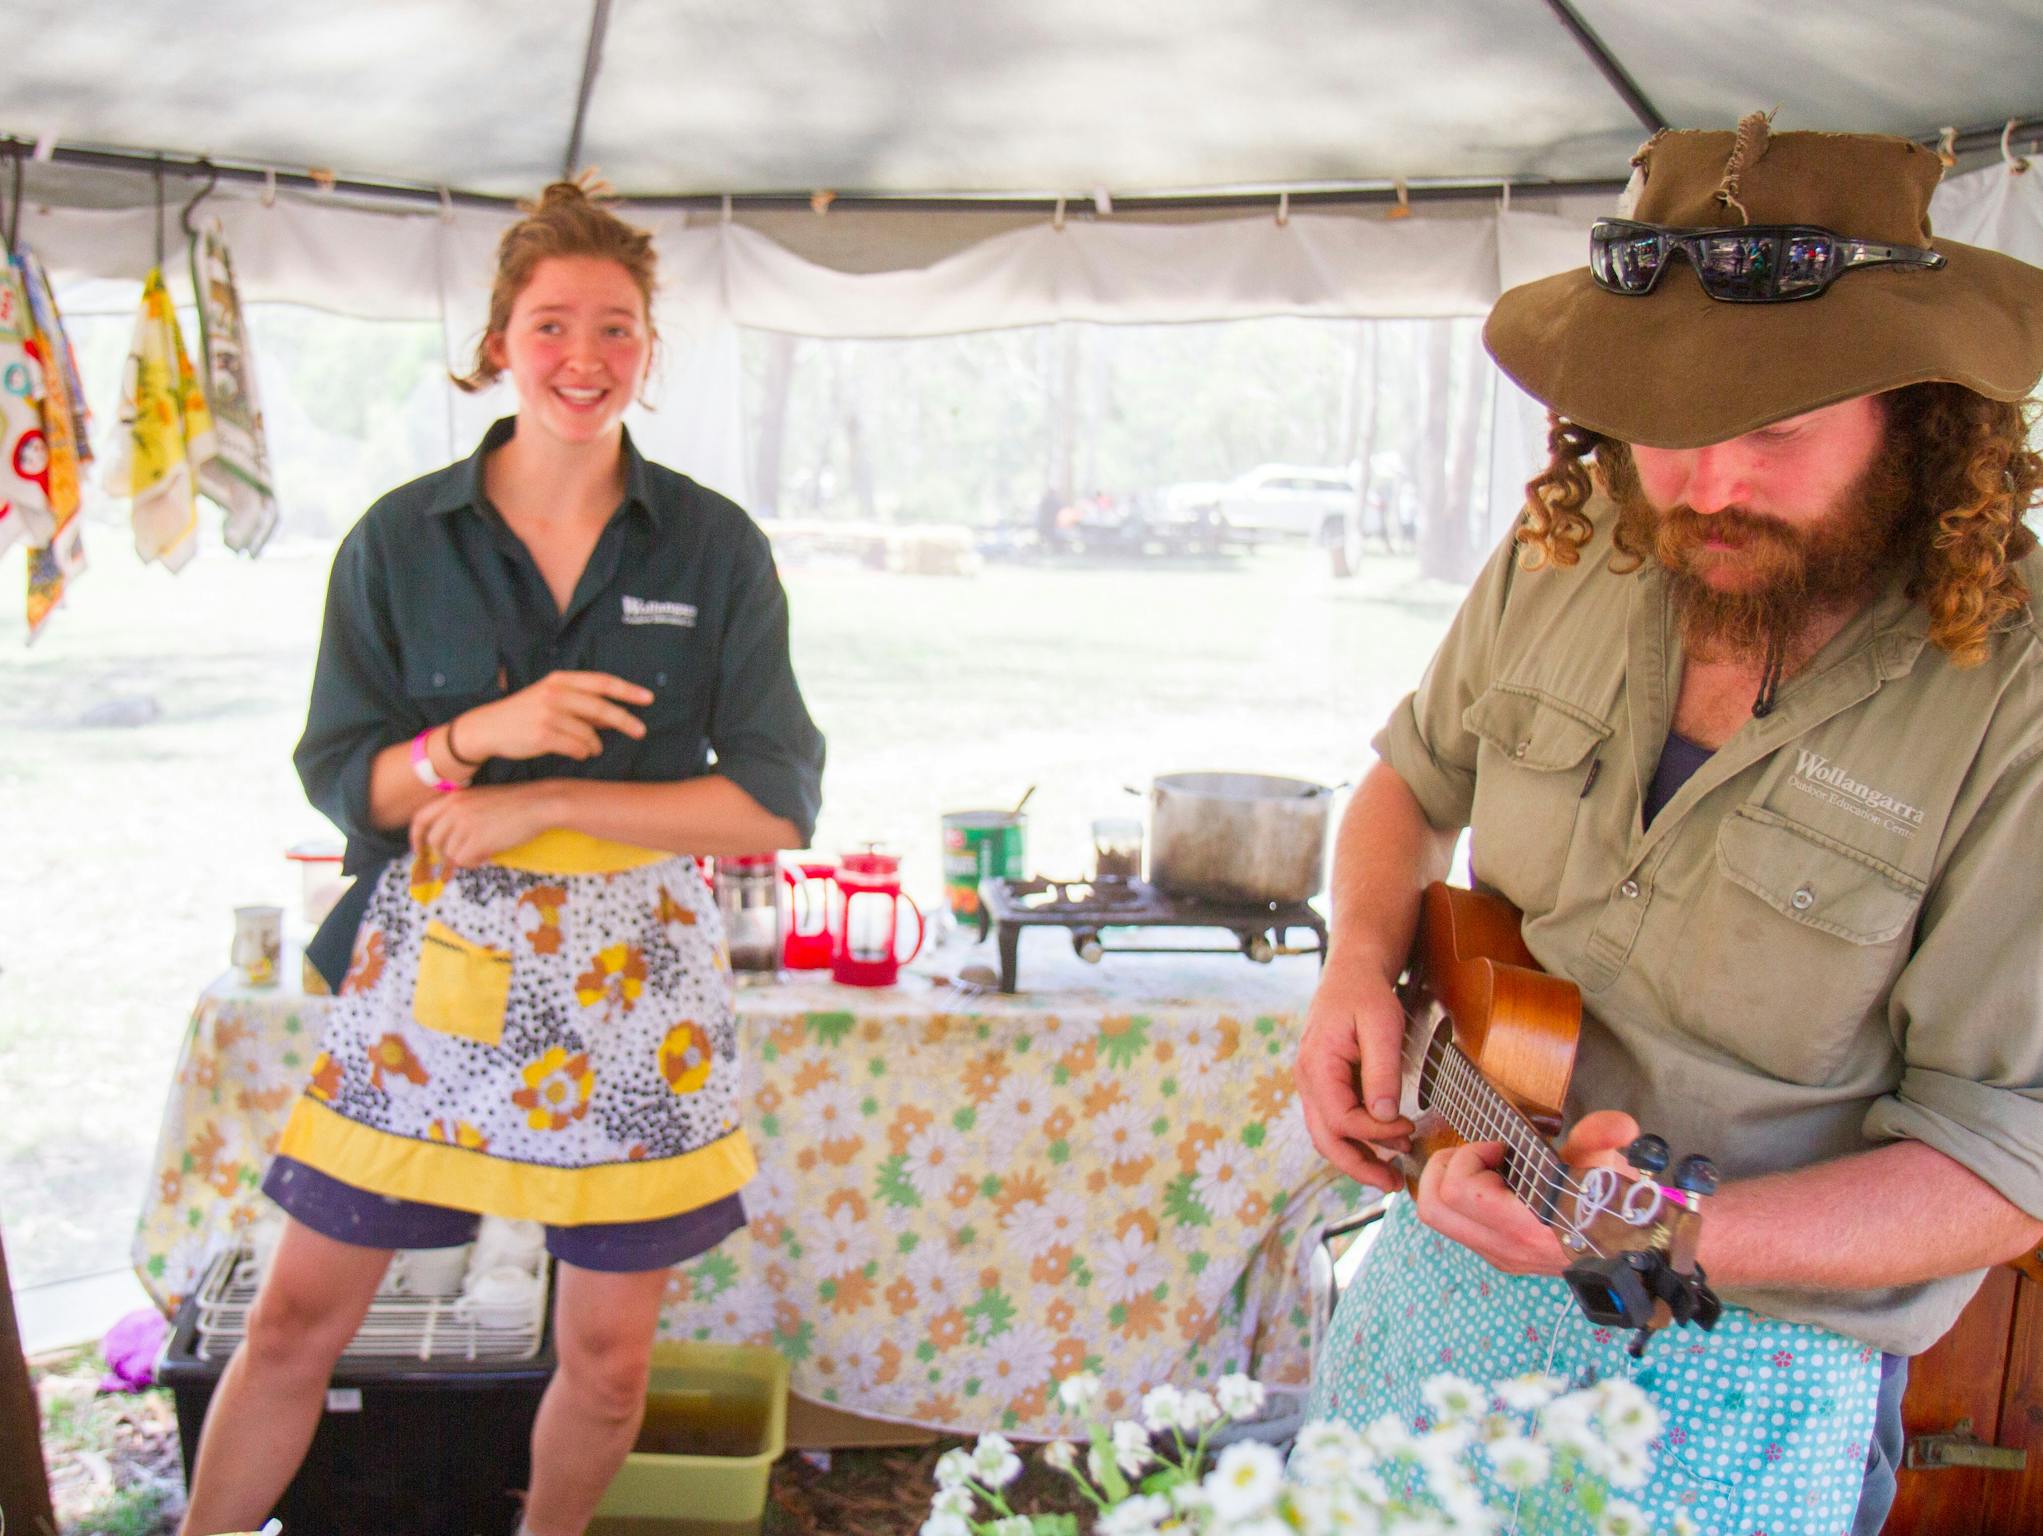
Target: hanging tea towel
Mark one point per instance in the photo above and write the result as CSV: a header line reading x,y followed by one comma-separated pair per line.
x,y
24,451
167,433
238,474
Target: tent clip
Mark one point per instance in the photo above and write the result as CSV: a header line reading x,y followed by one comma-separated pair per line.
x,y
1403,210
446,206
727,208
1102,204
2015,163
820,200
269,186
1057,218
46,146
1283,209
1504,202
1947,146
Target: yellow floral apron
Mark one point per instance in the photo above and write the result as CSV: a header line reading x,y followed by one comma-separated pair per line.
x,y
549,1035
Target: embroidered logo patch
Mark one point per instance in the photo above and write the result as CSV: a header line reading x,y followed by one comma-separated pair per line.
x,y
1817,775
641,610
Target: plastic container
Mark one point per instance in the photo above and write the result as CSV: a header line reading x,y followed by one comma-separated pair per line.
x,y
403,1447
716,1421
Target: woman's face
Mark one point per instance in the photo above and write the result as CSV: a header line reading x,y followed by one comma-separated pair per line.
x,y
576,348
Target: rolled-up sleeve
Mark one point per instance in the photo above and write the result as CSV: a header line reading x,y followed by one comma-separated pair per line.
x,y
1427,740
359,705
760,729
1967,1010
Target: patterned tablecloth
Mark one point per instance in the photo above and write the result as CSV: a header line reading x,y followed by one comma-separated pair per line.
x,y
961,1198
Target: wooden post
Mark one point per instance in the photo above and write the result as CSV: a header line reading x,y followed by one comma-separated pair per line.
x,y
24,1485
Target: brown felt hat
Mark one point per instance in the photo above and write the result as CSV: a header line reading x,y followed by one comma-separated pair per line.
x,y
1675,368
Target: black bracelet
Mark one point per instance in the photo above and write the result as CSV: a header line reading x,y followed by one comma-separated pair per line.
x,y
455,752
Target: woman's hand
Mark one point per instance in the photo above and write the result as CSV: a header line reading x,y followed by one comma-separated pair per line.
x,y
471,825
1463,1196
1354,1040
557,716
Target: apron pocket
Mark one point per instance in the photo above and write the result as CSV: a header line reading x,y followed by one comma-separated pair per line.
x,y
463,987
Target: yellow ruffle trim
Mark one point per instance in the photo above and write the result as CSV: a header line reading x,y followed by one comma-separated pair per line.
x,y
470,1180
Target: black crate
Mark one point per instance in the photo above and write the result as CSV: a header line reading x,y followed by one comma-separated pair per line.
x,y
417,1448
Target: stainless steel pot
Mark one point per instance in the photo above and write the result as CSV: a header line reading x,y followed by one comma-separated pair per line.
x,y
1238,836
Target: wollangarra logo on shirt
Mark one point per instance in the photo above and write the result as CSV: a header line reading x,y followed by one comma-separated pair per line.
x,y
1817,775
643,610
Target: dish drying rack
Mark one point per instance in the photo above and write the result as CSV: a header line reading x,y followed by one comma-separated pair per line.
x,y
398,1326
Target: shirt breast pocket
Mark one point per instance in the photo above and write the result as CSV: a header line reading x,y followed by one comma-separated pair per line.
x,y
444,680
1792,946
1530,767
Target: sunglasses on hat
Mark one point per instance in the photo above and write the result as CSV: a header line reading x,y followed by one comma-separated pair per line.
x,y
1753,264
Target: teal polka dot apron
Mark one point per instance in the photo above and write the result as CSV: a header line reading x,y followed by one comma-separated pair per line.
x,y
1767,1422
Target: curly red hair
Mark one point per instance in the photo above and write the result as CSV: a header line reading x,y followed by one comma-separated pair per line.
x,y
1968,460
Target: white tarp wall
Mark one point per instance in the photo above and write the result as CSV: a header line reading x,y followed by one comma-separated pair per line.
x,y
718,275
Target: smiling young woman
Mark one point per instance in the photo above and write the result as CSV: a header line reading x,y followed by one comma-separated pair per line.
x,y
527,661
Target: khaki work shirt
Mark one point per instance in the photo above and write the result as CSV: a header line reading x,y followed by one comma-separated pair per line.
x,y
1829,939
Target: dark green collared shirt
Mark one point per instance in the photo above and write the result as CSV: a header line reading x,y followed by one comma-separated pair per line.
x,y
435,606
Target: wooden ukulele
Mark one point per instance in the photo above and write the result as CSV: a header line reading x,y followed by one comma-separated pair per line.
x,y
1489,1048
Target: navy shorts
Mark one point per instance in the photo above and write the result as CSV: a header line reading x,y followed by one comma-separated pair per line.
x,y
346,1214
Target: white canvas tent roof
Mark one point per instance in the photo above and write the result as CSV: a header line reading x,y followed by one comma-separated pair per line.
x,y
1044,97
948,133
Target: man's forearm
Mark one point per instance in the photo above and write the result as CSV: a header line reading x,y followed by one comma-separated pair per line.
x,y
1385,855
1897,1215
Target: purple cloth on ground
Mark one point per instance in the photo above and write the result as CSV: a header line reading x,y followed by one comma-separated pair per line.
x,y
131,1347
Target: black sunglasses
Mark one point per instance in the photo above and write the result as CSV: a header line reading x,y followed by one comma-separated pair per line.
x,y
1757,264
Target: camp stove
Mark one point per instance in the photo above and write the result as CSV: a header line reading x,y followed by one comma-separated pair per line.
x,y
1096,912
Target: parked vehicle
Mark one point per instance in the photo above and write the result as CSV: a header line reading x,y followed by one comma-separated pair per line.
x,y
1292,502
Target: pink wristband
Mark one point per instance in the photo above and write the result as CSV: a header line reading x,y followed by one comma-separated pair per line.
x,y
422,765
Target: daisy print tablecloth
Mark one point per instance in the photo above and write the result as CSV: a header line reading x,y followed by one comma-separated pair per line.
x,y
961,1199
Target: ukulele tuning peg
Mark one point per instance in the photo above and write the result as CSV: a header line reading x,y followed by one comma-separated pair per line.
x,y
1648,1154
1696,1174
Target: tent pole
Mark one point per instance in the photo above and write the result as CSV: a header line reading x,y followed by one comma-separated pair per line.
x,y
592,60
1607,66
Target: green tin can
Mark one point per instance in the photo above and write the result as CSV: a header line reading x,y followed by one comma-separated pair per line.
x,y
980,845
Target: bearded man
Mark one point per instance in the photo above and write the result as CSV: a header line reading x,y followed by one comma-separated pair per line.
x,y
1747,722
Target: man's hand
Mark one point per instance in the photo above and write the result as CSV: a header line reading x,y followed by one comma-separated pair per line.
x,y
1462,1196
557,716
471,825
1347,1073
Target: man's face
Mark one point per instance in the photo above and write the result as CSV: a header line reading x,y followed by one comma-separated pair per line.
x,y
1760,534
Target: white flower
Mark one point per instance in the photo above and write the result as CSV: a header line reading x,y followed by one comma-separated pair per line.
x,y
1222,1183
1529,1393
1196,1410
1519,1462
1160,1408
1334,1511
1245,1481
1079,1393
946,1525
1036,1227
1261,1525
1128,1266
1326,1451
1061,1455
954,1468
843,1242
994,1462
934,1159
1097,1465
1122,1133
1624,1467
1139,1516
1628,1417
1013,1525
1131,1448
1453,1397
1683,1526
1191,1499
1241,1397
1388,1438
1621,1517
959,1500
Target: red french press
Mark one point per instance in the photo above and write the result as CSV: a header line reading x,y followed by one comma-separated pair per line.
x,y
811,941
868,920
